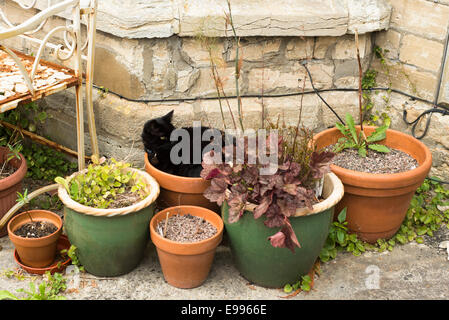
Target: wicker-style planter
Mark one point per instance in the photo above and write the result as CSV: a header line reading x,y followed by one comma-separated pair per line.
x,y
110,242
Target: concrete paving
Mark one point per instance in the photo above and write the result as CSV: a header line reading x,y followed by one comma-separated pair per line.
x,y
411,271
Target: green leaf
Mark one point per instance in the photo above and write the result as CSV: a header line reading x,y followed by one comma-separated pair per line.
x,y
340,236
4,295
351,126
379,134
342,128
379,148
62,182
288,288
342,216
362,152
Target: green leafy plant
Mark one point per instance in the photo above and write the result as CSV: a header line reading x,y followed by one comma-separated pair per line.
x,y
45,163
353,140
423,218
71,253
48,289
14,153
305,284
102,183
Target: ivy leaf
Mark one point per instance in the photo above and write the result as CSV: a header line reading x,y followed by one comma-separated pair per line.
x,y
342,216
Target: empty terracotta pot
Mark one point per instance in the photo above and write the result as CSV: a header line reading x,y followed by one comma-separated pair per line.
x,y
186,265
9,186
35,252
178,191
377,203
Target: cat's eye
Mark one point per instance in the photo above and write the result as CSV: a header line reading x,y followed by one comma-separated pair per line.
x,y
163,138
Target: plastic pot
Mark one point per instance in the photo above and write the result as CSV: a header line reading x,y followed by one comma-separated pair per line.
x,y
9,186
110,242
35,252
261,263
186,265
178,191
377,203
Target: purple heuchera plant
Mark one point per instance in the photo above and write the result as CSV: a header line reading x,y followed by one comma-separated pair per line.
x,y
276,196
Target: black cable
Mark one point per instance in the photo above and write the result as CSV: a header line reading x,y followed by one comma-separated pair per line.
x,y
304,64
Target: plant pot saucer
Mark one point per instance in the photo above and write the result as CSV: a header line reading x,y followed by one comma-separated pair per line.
x,y
63,243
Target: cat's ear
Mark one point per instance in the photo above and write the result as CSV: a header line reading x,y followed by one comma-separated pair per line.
x,y
168,116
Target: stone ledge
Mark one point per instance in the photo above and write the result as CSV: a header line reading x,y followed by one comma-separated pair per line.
x,y
162,18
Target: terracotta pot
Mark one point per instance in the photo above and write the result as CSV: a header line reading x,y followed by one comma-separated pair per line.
x,y
377,203
11,185
178,191
56,266
186,265
35,252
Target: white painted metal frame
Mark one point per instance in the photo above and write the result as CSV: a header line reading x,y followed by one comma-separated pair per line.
x,y
72,48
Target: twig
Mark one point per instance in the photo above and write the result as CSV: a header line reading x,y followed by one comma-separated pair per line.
x,y
360,83
166,223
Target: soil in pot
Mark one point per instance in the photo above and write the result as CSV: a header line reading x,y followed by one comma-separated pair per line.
x,y
35,229
186,228
395,161
7,171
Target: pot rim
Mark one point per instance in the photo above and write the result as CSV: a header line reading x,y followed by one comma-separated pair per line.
x,y
31,240
17,176
332,199
183,247
177,183
364,178
72,204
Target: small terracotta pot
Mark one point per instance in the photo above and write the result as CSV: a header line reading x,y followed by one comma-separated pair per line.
x,y
377,203
35,252
11,185
186,265
179,191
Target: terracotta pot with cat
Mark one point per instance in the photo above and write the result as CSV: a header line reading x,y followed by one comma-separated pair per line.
x,y
180,183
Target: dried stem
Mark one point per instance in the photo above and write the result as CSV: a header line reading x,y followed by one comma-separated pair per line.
x,y
166,223
238,64
360,84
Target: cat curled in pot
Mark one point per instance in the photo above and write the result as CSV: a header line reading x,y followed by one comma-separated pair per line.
x,y
179,151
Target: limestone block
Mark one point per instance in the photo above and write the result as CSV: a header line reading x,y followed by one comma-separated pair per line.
x,y
256,50
421,17
196,53
345,47
162,19
342,103
421,52
299,48
324,47
287,110
368,15
389,40
407,78
205,84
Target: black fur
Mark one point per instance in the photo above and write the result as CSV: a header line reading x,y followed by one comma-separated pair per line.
x,y
156,139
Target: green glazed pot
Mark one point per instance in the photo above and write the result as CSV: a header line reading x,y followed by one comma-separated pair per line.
x,y
110,242
262,264
109,246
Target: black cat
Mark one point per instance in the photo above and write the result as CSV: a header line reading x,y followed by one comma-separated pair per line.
x,y
156,139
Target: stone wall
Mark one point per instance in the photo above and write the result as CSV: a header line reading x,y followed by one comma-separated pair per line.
x,y
157,50
413,49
